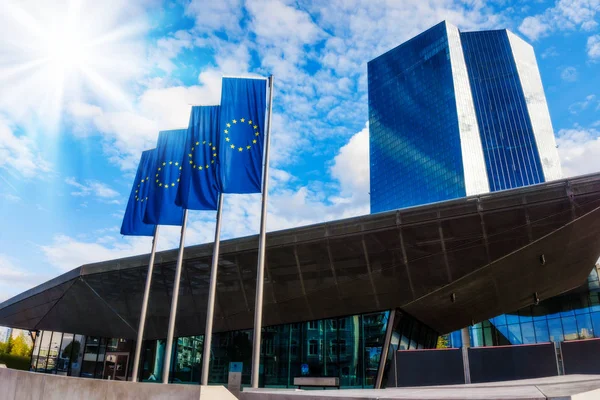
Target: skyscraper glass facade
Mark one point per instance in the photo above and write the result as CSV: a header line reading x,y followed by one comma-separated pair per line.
x,y
454,114
414,134
511,154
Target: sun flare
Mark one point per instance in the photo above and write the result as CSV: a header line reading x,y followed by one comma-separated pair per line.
x,y
66,48
54,54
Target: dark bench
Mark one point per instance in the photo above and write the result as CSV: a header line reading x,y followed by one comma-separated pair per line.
x,y
317,381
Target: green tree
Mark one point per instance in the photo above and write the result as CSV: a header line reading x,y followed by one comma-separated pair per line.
x,y
443,342
20,347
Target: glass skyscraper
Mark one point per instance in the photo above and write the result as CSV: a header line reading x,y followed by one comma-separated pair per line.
x,y
455,114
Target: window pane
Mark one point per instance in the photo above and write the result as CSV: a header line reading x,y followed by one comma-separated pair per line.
x,y
556,332
514,332
64,356
541,331
584,324
100,363
36,351
44,350
350,373
528,333
188,360
77,355
596,323
90,357
570,328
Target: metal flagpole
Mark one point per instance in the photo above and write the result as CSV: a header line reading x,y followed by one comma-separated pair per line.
x,y
211,296
173,314
260,271
142,325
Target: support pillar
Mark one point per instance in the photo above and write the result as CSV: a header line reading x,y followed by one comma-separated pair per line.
x,y
466,343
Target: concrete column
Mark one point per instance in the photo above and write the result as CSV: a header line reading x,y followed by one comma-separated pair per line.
x,y
466,343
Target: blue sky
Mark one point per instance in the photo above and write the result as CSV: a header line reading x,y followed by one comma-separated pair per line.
x,y
87,85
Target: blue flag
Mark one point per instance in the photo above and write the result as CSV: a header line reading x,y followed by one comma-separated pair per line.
x,y
241,136
161,208
138,199
198,186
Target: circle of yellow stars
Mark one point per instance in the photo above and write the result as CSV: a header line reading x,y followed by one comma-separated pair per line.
x,y
137,190
166,184
235,122
200,167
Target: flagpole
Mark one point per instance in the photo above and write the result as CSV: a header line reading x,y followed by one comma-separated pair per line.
x,y
211,296
260,270
142,324
174,300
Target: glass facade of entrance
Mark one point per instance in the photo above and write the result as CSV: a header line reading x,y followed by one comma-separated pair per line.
x,y
572,316
347,347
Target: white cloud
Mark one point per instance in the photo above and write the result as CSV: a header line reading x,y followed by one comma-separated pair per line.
x,y
18,153
565,15
533,27
593,47
550,52
10,197
90,187
579,150
127,133
14,278
168,48
66,253
590,101
569,74
351,167
222,15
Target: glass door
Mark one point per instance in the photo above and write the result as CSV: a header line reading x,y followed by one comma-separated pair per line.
x,y
115,366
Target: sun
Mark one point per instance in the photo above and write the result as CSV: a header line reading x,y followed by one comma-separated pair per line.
x,y
67,49
58,53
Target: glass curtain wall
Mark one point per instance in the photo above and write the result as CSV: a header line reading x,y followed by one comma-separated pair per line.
x,y
347,347
572,316
43,353
64,355
53,352
76,355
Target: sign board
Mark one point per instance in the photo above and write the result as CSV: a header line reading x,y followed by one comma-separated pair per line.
x,y
234,380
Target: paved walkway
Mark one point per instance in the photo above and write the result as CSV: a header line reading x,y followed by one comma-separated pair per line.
x,y
569,387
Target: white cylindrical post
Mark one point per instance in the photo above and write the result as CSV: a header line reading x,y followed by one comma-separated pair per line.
x,y
174,300
260,271
211,296
466,343
142,324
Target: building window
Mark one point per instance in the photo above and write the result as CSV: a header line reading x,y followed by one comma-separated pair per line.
x,y
294,348
338,324
268,346
313,325
313,347
337,345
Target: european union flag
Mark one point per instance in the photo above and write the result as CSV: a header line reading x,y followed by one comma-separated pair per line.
x,y
161,208
198,187
241,136
133,224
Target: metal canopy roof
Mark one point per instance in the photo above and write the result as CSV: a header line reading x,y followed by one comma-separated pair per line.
x,y
483,249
